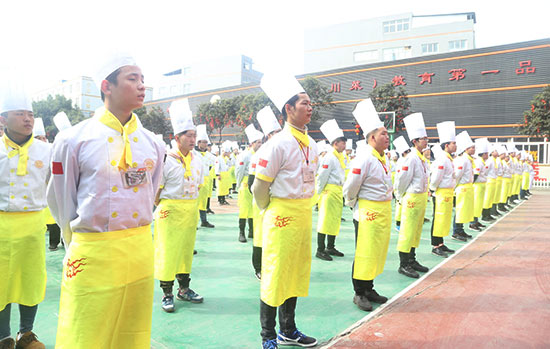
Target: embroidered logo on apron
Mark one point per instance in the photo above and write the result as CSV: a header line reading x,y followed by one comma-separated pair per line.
x,y
163,213
371,216
73,267
282,221
411,204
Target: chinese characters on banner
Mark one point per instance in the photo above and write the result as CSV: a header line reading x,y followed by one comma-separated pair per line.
x,y
455,75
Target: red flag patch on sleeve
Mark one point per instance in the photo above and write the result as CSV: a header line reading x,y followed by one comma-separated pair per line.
x,y
460,167
263,163
253,165
241,163
440,167
57,168
325,166
356,171
405,168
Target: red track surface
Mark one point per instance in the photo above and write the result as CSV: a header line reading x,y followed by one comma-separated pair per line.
x,y
494,294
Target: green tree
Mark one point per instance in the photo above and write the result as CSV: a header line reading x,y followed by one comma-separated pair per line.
x,y
48,108
155,120
536,122
218,115
387,98
320,96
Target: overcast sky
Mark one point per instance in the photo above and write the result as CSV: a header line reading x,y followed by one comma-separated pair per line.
x,y
55,40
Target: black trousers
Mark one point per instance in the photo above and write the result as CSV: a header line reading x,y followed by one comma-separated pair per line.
x,y
286,318
183,281
257,258
360,286
55,234
331,239
436,240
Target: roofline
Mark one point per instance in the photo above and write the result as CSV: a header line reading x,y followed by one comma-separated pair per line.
x,y
449,14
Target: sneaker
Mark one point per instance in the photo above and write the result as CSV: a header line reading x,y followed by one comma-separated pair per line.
x,y
362,302
419,267
438,251
334,252
168,304
480,226
210,211
7,343
269,344
473,226
194,252
446,249
488,219
207,225
397,227
466,235
258,275
242,238
407,270
189,296
296,338
426,220
28,340
373,296
323,255
53,248
343,219
459,237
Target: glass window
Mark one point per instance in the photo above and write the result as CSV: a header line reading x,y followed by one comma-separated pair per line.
x,y
186,71
397,25
395,53
458,45
365,56
430,48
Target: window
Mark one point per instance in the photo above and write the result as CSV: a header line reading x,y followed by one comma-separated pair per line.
x,y
365,56
430,48
398,25
392,54
186,71
456,45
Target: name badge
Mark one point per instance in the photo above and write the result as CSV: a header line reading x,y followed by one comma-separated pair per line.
x,y
134,177
308,175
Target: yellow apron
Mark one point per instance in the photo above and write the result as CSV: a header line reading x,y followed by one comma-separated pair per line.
x,y
212,175
224,184
330,210
107,290
464,203
525,181
22,258
373,239
498,189
203,193
286,250
48,216
175,233
479,195
505,190
489,193
245,200
517,184
443,214
412,218
397,211
257,224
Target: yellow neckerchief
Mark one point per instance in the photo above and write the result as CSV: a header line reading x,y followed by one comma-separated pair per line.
x,y
302,138
471,160
22,150
422,157
109,120
186,161
380,158
340,158
482,160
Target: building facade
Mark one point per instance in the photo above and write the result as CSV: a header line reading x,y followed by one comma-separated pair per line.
x,y
207,75
386,39
83,93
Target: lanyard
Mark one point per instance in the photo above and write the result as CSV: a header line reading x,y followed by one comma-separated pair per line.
x,y
306,154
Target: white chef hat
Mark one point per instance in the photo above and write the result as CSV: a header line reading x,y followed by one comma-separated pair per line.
x,y
114,62
437,151
463,142
202,135
252,134
267,120
446,131
234,145
39,127
511,148
366,116
226,147
181,116
482,145
322,146
362,148
401,145
13,95
280,88
393,153
502,150
331,130
215,148
414,124
349,144
61,121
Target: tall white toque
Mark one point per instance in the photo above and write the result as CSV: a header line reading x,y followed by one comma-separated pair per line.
x,y
414,124
280,88
331,130
181,116
446,131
